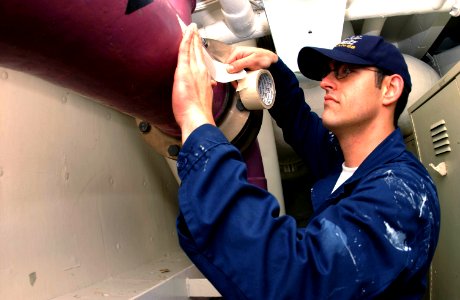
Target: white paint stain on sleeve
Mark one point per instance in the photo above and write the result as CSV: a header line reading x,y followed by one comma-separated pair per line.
x,y
417,198
335,239
396,238
422,204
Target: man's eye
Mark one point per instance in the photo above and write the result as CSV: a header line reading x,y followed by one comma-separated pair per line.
x,y
347,71
343,72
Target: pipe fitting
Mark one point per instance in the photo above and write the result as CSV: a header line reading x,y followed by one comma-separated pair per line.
x,y
455,10
438,4
221,32
239,17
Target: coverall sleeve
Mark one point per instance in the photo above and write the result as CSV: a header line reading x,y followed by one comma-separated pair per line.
x,y
233,233
302,128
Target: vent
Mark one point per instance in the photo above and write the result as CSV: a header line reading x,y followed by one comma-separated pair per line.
x,y
440,137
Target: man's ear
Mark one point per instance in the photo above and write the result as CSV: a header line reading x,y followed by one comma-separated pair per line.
x,y
392,87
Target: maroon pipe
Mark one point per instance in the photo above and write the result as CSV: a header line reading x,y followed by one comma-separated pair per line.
x,y
121,53
255,167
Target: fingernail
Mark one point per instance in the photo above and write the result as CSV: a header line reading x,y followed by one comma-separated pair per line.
x,y
230,68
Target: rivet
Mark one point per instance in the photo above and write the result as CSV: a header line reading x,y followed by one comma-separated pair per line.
x,y
64,99
145,127
173,150
4,75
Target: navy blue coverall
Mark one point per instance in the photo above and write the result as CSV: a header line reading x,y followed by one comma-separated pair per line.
x,y
373,238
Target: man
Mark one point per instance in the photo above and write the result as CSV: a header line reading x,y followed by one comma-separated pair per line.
x,y
376,220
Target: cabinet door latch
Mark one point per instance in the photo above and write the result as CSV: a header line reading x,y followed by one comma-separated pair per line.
x,y
441,168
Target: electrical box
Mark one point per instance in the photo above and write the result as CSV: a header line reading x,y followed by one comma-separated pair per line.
x,y
436,121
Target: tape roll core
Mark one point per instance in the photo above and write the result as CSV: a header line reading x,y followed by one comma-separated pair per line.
x,y
257,90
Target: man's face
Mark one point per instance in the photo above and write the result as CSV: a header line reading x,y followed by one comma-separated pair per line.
x,y
352,100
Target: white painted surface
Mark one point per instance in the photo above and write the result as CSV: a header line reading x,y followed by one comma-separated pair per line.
x,y
364,9
82,196
201,287
298,23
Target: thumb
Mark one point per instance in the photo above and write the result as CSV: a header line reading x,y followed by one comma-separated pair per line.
x,y
233,68
238,65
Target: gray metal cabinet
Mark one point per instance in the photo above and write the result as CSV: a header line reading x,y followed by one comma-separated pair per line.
x,y
436,121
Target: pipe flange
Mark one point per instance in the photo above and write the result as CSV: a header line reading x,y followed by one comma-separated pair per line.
x,y
239,126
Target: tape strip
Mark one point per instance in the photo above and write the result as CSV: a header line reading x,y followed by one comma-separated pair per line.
x,y
257,90
216,69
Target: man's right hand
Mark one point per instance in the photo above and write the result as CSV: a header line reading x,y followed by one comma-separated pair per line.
x,y
250,58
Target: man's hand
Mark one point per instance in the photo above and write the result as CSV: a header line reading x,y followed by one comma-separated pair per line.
x,y
251,58
192,90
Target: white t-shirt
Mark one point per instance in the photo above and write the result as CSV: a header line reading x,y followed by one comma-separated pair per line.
x,y
346,173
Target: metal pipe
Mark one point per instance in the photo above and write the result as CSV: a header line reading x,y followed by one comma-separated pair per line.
x,y
255,167
438,4
121,53
239,16
221,32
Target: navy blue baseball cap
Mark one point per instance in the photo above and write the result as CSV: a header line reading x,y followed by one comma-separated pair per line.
x,y
366,50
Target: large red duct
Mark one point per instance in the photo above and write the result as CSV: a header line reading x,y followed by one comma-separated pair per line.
x,y
120,53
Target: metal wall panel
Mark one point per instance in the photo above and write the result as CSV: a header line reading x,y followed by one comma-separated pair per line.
x,y
82,197
436,120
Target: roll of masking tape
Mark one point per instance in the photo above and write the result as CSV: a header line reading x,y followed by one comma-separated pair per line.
x,y
257,90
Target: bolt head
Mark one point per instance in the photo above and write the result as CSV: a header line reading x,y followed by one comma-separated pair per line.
x,y
145,127
173,150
